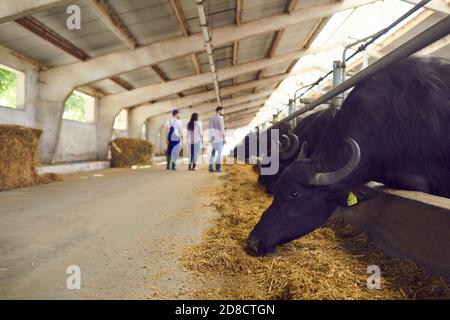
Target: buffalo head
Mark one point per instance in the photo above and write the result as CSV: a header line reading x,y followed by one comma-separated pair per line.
x,y
302,202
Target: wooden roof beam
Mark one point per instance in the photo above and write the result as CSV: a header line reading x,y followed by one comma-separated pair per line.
x,y
112,20
289,8
178,12
200,100
96,92
42,31
123,61
237,21
156,91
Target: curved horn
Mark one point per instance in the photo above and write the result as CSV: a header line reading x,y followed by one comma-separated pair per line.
x,y
329,178
303,154
284,143
293,150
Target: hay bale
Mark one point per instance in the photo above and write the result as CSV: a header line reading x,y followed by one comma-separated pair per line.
x,y
127,152
19,157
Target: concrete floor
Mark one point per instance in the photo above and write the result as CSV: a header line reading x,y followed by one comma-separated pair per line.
x,y
124,228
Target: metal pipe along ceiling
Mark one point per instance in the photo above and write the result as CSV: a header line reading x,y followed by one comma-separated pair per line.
x,y
208,46
420,41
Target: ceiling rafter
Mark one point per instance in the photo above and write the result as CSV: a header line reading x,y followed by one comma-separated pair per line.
x,y
160,73
156,91
178,11
289,8
111,19
111,64
51,36
321,22
42,31
237,21
96,92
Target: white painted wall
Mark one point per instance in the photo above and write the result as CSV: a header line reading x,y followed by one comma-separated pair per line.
x,y
78,141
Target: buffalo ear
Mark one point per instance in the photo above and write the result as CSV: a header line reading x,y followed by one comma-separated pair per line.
x,y
350,196
303,154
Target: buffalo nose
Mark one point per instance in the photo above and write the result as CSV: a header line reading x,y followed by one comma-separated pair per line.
x,y
253,244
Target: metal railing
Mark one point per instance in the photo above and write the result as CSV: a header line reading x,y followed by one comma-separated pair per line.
x,y
422,40
368,41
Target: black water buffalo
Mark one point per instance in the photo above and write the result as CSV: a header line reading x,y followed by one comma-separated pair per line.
x,y
393,128
248,152
308,129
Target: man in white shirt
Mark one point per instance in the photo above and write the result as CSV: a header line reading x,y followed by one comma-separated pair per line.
x,y
174,136
216,127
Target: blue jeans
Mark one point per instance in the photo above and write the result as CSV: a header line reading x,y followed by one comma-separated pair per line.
x,y
194,149
217,146
173,149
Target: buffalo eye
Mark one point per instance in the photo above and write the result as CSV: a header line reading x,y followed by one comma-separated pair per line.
x,y
294,195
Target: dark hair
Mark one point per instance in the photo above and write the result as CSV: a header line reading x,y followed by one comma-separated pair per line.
x,y
191,123
175,112
219,108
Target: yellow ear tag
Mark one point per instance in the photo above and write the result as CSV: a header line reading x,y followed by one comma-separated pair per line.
x,y
351,200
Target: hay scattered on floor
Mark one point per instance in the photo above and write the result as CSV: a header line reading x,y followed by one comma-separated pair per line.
x,y
128,152
330,263
19,156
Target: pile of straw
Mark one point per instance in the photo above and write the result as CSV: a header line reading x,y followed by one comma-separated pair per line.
x,y
19,157
127,152
329,263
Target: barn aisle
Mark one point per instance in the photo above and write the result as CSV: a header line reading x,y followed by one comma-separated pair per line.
x,y
123,228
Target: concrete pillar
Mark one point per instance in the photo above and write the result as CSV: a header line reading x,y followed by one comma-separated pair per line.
x,y
49,111
155,133
135,125
105,124
147,131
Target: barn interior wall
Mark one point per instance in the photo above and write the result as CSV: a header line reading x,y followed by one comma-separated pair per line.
x,y
77,140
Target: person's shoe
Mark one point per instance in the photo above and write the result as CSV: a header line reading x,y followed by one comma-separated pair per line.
x,y
210,168
174,167
190,167
218,168
194,167
168,164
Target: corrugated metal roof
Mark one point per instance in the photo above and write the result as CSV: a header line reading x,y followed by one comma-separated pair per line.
x,y
254,48
150,21
178,68
256,9
141,77
219,12
108,86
